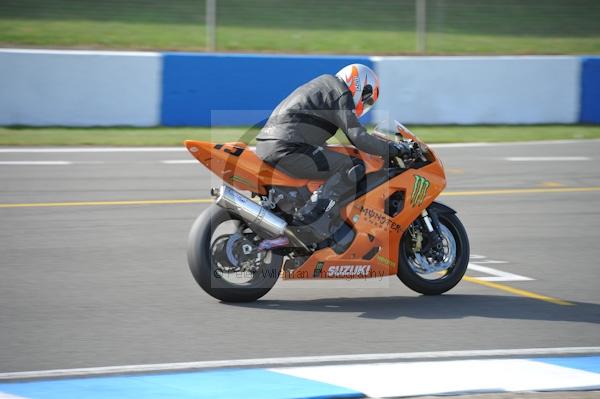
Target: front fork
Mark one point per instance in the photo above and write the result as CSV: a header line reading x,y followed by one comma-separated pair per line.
x,y
432,226
425,217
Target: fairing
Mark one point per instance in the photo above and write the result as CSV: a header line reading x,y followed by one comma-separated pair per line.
x,y
375,249
238,165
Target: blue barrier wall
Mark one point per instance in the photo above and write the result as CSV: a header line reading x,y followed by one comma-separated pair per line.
x,y
194,85
89,88
590,90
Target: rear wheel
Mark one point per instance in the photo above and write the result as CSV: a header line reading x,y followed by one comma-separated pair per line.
x,y
224,259
422,272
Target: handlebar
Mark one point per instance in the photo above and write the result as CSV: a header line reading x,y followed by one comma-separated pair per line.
x,y
409,150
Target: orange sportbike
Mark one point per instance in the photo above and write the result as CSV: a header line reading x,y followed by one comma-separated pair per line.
x,y
389,225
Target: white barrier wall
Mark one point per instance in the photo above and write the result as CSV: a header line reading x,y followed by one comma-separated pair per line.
x,y
79,88
471,90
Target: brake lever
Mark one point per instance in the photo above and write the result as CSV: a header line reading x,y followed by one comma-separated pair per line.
x,y
401,162
406,161
408,158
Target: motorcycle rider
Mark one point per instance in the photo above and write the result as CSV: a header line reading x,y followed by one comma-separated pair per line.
x,y
294,137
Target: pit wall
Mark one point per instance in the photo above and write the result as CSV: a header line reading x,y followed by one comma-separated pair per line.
x,y
79,88
98,88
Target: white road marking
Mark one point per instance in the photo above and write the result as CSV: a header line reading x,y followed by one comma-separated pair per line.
x,y
382,380
494,262
546,159
461,145
179,161
77,150
477,262
183,149
35,163
520,143
282,361
498,275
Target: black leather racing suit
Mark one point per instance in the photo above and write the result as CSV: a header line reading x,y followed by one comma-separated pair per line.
x,y
294,137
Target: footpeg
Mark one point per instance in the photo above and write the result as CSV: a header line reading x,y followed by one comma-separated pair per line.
x,y
278,242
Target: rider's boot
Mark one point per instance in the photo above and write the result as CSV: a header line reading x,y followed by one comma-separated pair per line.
x,y
322,201
325,200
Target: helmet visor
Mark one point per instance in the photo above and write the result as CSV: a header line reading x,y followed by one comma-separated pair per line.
x,y
367,98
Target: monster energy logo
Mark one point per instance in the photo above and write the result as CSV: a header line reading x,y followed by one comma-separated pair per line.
x,y
318,268
419,190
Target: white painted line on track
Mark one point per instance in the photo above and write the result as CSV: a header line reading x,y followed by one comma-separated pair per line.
x,y
35,163
34,150
461,145
546,159
179,161
498,275
521,143
385,380
282,361
76,150
477,262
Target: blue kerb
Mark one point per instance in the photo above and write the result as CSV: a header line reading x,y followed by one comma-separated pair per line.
x,y
248,87
225,384
585,363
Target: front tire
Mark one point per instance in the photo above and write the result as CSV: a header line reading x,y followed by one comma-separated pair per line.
x,y
439,282
204,266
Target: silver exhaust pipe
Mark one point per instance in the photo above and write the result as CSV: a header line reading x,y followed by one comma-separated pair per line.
x,y
255,215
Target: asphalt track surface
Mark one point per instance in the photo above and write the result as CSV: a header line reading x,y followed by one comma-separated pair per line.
x,y
108,284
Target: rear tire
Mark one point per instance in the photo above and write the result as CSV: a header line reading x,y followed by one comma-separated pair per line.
x,y
204,269
454,273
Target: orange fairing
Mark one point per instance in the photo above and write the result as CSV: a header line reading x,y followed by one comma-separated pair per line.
x,y
240,167
374,251
372,162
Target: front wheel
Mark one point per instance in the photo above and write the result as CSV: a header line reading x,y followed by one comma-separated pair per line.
x,y
434,275
224,259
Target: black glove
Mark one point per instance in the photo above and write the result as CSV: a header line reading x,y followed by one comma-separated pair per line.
x,y
408,151
403,149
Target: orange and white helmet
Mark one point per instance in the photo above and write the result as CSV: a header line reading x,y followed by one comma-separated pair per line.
x,y
363,84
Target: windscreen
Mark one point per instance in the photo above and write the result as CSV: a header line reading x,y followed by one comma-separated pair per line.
x,y
391,130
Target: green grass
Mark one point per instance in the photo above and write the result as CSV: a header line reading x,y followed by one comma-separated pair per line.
x,y
349,26
24,136
156,36
100,35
